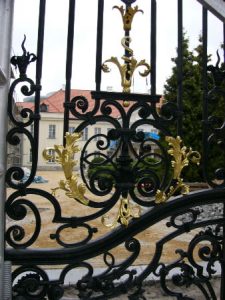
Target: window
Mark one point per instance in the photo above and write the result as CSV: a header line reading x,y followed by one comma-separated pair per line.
x,y
71,129
140,129
108,129
96,154
52,153
97,131
30,156
32,129
43,107
51,131
85,134
153,130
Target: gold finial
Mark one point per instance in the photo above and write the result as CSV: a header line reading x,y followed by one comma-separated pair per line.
x,y
65,157
127,15
125,213
182,156
126,103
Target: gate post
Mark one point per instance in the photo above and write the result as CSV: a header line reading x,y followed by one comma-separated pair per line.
x,y
6,20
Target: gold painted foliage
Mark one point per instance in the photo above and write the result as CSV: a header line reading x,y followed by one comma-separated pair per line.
x,y
125,213
182,156
65,157
127,15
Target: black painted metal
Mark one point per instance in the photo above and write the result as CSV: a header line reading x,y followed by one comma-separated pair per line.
x,y
124,178
205,86
224,42
69,64
98,71
153,45
222,292
27,116
180,66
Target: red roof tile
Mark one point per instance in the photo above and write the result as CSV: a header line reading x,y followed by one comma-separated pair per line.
x,y
25,105
56,100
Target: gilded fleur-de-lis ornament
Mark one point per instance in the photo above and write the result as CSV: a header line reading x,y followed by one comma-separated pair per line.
x,y
127,15
65,157
130,64
182,156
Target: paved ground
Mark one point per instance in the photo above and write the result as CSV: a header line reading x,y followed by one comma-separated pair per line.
x,y
151,287
153,291
146,238
70,207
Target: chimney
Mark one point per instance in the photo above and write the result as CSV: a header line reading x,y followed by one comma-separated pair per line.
x,y
109,88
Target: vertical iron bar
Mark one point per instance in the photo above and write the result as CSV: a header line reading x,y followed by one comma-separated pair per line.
x,y
224,42
222,286
222,291
180,67
126,52
69,65
205,90
40,45
98,68
153,46
6,22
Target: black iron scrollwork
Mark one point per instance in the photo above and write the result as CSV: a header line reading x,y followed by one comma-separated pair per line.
x,y
215,128
24,60
195,265
124,171
127,165
22,119
189,270
34,284
128,2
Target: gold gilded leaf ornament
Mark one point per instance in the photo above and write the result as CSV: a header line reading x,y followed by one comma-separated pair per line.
x,y
182,156
125,213
127,15
65,157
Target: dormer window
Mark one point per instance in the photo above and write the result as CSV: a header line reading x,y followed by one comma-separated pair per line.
x,y
43,107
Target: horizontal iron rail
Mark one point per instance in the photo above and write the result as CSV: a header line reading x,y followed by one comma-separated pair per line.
x,y
118,236
125,96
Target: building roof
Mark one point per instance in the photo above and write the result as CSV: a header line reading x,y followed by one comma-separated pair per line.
x,y
29,105
55,102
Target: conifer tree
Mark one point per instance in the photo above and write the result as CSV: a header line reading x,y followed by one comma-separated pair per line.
x,y
192,99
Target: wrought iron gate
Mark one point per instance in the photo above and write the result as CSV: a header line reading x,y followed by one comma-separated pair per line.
x,y
117,177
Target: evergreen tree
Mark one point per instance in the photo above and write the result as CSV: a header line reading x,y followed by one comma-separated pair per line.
x,y
192,99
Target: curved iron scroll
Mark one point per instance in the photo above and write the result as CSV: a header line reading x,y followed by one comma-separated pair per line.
x,y
129,171
125,160
125,178
183,215
214,128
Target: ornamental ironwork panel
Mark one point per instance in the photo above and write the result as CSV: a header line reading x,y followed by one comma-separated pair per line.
x,y
130,183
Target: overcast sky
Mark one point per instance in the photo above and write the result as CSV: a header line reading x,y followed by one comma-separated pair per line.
x,y
26,18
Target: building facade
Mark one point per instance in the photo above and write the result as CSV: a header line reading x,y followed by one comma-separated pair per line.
x,y
51,129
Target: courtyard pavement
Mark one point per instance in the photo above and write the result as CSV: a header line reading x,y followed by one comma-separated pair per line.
x,y
153,291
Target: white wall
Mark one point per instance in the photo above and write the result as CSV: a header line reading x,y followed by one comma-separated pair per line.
x,y
44,140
